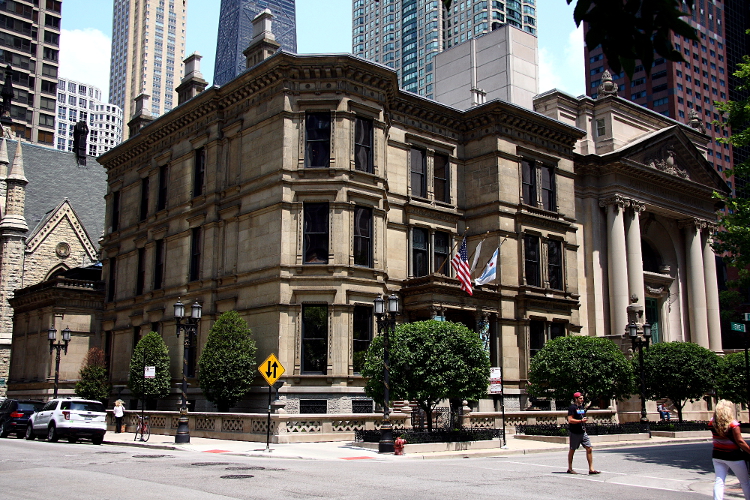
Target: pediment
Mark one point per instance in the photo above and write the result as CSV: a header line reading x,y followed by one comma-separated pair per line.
x,y
62,215
670,151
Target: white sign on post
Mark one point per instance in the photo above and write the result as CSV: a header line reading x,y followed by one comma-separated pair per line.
x,y
496,380
149,372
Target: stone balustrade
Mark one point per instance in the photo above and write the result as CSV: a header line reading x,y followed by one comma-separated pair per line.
x,y
310,428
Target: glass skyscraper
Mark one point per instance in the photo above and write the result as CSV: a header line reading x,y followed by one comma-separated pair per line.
x,y
236,31
406,34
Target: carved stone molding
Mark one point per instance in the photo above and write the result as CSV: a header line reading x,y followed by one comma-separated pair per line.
x,y
696,223
667,163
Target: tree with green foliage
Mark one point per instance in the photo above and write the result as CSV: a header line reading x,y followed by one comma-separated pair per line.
x,y
226,368
93,382
734,239
429,361
150,351
593,366
680,371
731,382
632,30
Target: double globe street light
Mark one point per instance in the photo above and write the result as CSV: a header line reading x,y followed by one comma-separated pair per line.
x,y
639,342
386,324
63,345
189,327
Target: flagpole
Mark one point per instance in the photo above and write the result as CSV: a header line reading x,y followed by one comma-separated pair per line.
x,y
452,249
475,250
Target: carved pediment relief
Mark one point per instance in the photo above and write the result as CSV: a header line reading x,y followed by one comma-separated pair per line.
x,y
665,159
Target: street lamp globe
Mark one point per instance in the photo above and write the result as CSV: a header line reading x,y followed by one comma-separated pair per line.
x,y
52,334
379,305
633,330
393,303
179,309
195,310
647,330
66,334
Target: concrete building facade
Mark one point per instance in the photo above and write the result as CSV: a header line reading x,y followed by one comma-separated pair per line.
x,y
148,47
30,33
406,35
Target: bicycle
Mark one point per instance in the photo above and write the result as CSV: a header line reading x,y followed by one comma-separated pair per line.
x,y
142,428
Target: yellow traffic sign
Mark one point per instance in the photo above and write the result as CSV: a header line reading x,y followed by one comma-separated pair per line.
x,y
271,369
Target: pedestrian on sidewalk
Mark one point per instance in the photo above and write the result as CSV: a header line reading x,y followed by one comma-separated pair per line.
x,y
728,449
577,432
119,412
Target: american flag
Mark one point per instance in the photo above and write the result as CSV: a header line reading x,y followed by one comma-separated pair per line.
x,y
460,264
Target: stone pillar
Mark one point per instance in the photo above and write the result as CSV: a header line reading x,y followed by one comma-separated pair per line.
x,y
712,295
635,255
616,264
696,282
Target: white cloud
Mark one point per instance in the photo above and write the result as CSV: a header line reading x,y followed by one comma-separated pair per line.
x,y
85,56
561,66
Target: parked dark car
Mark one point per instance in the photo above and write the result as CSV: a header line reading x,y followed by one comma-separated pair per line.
x,y
14,415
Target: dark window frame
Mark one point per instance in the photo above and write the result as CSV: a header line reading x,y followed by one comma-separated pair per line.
x,y
144,198
115,211
195,253
441,252
549,187
363,231
314,348
555,264
140,279
441,184
364,140
112,281
161,202
316,231
417,267
362,330
318,128
159,263
528,182
532,260
199,171
418,177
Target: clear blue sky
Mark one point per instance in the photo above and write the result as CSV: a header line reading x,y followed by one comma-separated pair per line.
x,y
323,26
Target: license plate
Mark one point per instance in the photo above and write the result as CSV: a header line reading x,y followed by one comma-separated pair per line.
x,y
87,417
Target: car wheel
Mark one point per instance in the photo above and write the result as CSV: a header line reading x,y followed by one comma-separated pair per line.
x,y
72,439
52,436
97,439
29,432
4,431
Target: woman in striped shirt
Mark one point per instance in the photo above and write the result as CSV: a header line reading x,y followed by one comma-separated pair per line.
x,y
728,448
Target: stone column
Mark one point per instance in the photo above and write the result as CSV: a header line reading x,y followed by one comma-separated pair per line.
x,y
616,263
696,282
635,255
712,294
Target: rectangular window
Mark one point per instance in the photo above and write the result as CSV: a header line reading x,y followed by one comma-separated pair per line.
x,y
199,171
316,233
548,188
536,337
159,260
361,335
441,252
317,139
528,180
363,141
111,287
363,236
418,173
195,254
600,128
140,278
554,264
161,202
115,211
531,258
144,198
440,180
314,338
420,252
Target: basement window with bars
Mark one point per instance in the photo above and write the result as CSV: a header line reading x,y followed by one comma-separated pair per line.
x,y
313,406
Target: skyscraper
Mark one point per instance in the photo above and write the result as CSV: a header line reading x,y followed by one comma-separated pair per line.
x,y
406,35
681,89
30,37
236,30
148,46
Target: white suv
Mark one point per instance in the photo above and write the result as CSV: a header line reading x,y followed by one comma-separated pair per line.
x,y
70,417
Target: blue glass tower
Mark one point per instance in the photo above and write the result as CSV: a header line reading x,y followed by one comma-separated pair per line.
x,y
236,31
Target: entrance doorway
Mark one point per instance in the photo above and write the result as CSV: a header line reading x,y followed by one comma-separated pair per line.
x,y
652,317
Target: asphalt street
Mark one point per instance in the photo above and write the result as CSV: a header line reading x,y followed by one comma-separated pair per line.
x,y
36,470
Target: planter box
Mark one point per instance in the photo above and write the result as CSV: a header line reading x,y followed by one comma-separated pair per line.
x,y
437,447
607,438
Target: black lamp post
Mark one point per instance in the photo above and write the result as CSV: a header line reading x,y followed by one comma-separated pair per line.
x,y
52,336
190,327
640,342
386,323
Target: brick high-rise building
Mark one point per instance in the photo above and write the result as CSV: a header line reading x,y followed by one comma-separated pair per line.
x,y
404,36
675,89
236,31
148,46
30,35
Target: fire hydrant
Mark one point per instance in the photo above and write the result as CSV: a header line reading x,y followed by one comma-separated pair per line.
x,y
398,445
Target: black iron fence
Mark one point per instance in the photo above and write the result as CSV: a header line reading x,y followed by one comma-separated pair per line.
x,y
591,429
693,425
436,436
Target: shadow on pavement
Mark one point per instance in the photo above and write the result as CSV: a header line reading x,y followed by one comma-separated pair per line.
x,y
695,457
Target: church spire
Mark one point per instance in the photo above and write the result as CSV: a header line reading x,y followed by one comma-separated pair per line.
x,y
3,175
15,201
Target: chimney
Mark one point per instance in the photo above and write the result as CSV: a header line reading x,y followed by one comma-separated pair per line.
x,y
263,44
142,115
193,83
